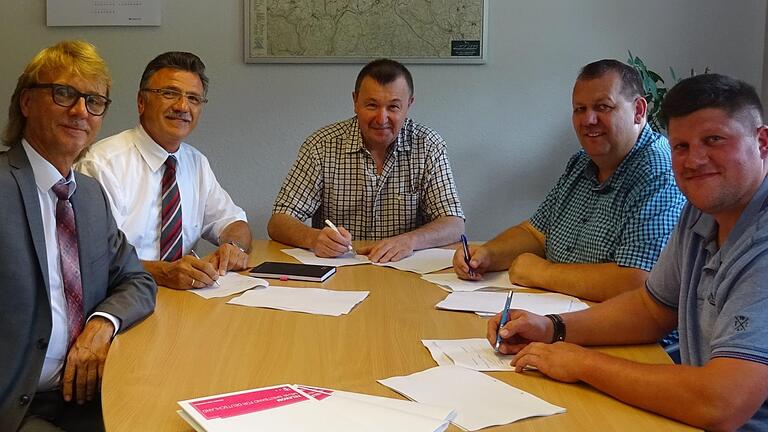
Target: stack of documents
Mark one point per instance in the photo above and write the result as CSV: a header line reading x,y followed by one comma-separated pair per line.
x,y
309,300
485,303
288,408
476,354
479,400
422,262
451,282
231,283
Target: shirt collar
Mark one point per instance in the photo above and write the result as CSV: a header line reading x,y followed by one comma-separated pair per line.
x,y
46,175
647,136
706,227
353,137
152,153
751,213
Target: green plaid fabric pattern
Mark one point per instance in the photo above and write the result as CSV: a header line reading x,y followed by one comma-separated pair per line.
x,y
334,177
626,220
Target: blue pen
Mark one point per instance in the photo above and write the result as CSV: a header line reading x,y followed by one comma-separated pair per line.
x,y
466,253
504,319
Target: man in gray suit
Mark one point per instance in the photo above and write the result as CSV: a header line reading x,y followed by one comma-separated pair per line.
x,y
69,281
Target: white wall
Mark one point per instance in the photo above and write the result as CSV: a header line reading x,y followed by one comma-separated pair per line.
x,y
507,123
764,95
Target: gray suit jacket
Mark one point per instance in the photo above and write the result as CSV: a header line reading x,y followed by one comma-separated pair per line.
x,y
114,280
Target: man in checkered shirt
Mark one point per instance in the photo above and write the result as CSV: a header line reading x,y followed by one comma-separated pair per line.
x,y
604,224
377,176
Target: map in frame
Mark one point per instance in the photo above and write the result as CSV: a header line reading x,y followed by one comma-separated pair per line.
x,y
357,31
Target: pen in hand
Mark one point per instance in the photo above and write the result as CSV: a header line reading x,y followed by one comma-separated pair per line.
x,y
333,227
504,319
466,254
194,254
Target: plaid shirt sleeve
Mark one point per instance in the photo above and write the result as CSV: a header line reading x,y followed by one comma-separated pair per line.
x,y
652,213
300,194
440,197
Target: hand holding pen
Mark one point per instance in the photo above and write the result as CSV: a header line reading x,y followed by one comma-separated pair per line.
x,y
467,260
333,241
194,282
336,230
470,262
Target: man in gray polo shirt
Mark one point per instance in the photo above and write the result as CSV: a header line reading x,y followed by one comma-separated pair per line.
x,y
711,279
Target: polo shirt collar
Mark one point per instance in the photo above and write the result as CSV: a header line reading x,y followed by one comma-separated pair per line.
x,y
751,213
705,225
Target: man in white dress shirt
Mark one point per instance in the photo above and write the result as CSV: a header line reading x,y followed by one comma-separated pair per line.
x,y
163,192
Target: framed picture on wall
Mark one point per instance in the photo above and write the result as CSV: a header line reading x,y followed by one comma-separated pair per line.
x,y
356,31
75,13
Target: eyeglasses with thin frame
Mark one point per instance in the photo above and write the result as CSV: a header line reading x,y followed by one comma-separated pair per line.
x,y
171,94
67,96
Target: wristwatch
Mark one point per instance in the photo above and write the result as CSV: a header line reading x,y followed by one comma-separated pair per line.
x,y
559,328
236,244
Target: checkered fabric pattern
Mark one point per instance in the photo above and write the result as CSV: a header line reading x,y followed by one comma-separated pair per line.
x,y
334,177
626,220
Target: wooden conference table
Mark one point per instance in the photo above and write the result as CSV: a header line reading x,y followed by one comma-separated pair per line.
x,y
192,347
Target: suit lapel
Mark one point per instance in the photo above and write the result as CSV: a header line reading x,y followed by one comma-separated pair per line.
x,y
25,178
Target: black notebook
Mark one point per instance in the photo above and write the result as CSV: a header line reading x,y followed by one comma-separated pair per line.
x,y
303,272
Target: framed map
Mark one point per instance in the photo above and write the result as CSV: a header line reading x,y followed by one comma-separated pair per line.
x,y
357,31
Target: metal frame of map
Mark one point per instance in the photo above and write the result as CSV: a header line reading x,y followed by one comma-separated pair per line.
x,y
410,60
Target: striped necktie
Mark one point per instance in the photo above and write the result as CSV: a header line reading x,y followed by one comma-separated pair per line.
x,y
66,235
170,230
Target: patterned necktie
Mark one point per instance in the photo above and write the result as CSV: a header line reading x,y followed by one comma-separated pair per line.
x,y
170,230
66,234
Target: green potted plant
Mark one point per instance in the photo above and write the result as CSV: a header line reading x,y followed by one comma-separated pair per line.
x,y
655,89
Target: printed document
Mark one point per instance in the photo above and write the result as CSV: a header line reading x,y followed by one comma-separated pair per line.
x,y
475,354
289,408
480,401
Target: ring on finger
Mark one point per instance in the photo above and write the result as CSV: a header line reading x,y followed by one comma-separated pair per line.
x,y
193,282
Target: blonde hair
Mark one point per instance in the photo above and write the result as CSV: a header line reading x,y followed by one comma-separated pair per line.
x,y
72,56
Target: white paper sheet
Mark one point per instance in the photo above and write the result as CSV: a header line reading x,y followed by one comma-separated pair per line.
x,y
475,354
436,418
493,302
479,400
422,261
230,283
451,282
308,257
310,300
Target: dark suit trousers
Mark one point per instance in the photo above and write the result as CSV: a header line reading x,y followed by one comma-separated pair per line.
x,y
48,412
